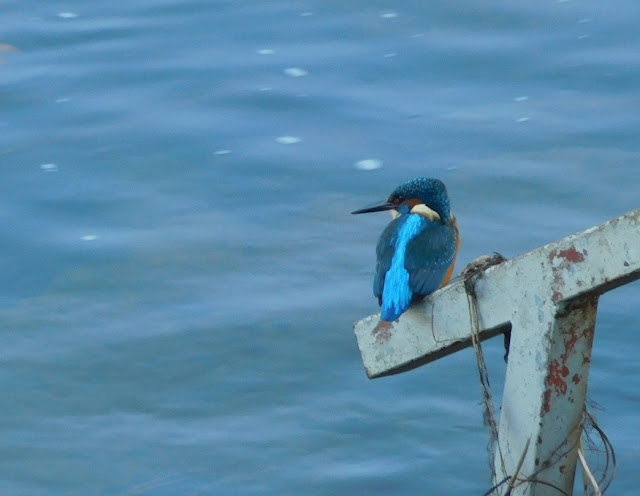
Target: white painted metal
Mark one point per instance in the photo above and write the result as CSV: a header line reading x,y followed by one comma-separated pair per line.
x,y
548,297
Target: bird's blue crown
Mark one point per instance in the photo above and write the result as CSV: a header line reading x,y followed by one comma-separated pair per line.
x,y
432,192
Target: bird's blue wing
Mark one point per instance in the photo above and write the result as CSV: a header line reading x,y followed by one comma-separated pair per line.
x,y
414,255
384,254
429,255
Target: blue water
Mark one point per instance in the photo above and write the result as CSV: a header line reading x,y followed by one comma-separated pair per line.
x,y
180,271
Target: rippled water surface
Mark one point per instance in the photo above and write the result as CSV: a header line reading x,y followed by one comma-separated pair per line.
x,y
180,271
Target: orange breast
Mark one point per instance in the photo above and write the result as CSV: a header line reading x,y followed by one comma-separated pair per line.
x,y
447,276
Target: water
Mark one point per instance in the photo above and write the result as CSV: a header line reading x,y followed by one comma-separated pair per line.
x,y
181,272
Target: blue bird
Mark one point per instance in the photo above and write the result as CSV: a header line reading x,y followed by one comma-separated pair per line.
x,y
417,251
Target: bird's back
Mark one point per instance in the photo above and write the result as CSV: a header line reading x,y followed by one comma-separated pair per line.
x,y
415,256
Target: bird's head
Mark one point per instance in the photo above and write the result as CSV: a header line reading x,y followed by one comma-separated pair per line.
x,y
423,195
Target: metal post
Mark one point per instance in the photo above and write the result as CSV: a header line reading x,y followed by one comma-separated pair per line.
x,y
546,407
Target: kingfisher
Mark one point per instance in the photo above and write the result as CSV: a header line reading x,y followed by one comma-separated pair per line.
x,y
417,251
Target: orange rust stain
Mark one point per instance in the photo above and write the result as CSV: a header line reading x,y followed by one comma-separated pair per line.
x,y
546,404
570,255
555,378
382,331
562,468
555,382
569,344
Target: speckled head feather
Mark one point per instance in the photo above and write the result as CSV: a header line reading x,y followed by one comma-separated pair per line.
x,y
432,192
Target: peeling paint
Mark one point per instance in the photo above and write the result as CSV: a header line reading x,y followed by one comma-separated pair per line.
x,y
566,259
555,378
546,402
570,343
570,255
382,331
576,320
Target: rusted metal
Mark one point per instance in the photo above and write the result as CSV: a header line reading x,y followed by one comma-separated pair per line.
x,y
548,297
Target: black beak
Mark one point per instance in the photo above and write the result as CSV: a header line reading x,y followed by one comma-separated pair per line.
x,y
378,207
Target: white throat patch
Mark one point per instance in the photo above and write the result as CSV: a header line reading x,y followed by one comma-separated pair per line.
x,y
422,209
